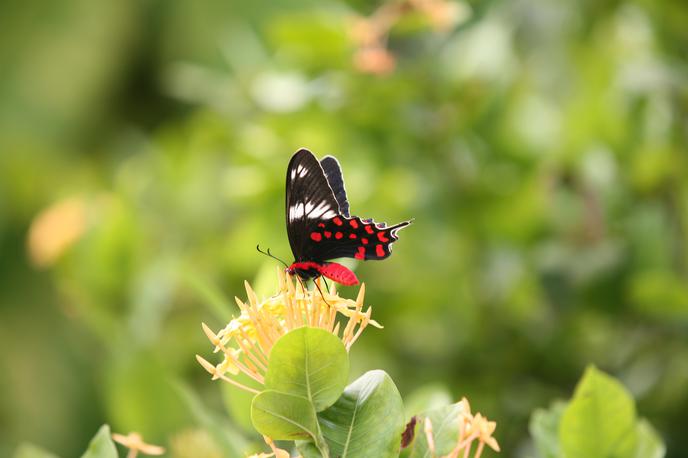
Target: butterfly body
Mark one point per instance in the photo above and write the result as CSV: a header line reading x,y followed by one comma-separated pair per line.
x,y
332,270
319,226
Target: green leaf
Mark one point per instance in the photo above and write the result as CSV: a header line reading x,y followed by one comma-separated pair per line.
x,y
544,427
32,451
367,420
445,428
310,363
600,419
101,446
307,449
650,445
284,416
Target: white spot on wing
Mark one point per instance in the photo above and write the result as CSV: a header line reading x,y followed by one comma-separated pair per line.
x,y
296,212
303,171
322,211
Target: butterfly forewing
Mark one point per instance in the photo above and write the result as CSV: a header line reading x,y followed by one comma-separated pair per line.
x,y
309,201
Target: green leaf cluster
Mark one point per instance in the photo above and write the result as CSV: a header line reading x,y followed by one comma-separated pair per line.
x,y
306,399
600,421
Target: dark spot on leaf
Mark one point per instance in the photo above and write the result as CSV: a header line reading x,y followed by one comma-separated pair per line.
x,y
409,432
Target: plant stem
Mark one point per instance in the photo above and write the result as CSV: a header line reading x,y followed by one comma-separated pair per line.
x,y
320,440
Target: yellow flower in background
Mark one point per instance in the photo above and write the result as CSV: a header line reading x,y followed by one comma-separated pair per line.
x,y
482,430
55,229
371,34
134,442
276,452
246,341
471,428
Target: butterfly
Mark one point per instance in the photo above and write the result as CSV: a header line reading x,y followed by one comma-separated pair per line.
x,y
319,226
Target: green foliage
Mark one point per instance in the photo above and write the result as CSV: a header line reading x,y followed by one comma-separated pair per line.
x,y
238,402
223,433
101,446
32,451
599,421
305,401
151,406
284,416
307,373
367,420
445,421
650,445
310,363
540,146
544,428
427,397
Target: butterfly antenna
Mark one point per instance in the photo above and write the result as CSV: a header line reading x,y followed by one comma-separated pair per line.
x,y
267,253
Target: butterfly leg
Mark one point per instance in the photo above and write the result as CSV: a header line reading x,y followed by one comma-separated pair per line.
x,y
303,284
317,285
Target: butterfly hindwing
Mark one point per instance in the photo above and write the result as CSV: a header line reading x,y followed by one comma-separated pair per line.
x,y
353,237
335,179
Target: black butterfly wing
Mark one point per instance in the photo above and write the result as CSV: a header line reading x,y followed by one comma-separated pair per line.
x,y
317,228
309,201
335,179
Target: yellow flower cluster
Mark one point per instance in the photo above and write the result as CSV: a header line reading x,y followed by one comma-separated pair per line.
x,y
247,340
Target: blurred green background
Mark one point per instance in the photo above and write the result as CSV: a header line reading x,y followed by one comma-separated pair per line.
x,y
540,146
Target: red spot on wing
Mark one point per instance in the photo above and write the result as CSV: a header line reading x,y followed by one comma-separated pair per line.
x,y
369,229
381,237
379,250
364,241
352,236
337,220
360,254
328,234
338,235
317,236
353,223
